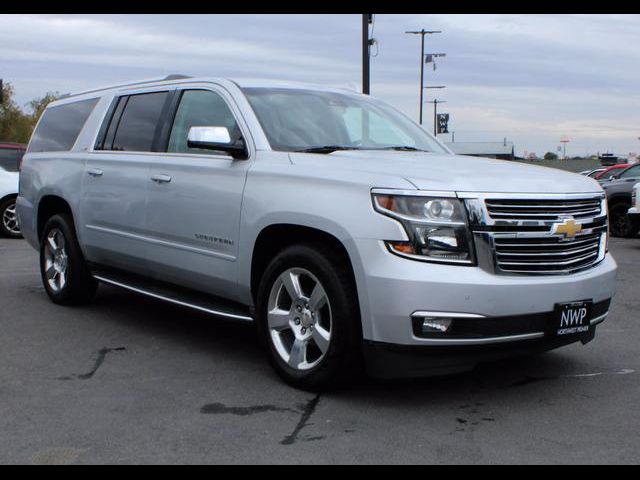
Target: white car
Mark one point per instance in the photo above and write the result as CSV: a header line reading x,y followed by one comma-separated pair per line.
x,y
634,211
9,226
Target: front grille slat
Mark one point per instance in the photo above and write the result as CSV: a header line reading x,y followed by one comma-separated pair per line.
x,y
521,251
552,210
542,253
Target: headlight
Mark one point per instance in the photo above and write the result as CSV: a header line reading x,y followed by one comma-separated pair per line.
x,y
436,226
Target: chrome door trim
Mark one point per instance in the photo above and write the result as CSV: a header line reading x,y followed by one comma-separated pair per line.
x,y
164,243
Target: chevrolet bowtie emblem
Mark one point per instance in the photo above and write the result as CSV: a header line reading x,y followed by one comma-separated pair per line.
x,y
568,228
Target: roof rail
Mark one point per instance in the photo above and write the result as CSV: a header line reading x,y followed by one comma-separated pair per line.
x,y
173,76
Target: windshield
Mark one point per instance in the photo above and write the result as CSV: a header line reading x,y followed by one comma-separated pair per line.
x,y
322,122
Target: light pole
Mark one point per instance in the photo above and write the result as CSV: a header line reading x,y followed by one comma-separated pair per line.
x,y
367,19
422,33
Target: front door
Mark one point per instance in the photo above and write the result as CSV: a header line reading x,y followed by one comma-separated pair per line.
x,y
194,200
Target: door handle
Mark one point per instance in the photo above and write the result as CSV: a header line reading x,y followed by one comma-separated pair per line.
x,y
95,172
161,178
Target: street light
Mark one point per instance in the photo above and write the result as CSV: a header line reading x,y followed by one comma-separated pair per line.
x,y
422,33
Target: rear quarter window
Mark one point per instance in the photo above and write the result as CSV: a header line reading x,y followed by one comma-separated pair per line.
x,y
60,126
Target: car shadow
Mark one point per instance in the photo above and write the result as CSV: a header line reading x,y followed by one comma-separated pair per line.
x,y
238,341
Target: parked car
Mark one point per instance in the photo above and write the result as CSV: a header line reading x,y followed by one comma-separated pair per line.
x,y
11,155
344,230
9,162
593,172
634,211
619,192
610,172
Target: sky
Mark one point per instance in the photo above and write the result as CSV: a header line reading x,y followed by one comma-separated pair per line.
x,y
529,78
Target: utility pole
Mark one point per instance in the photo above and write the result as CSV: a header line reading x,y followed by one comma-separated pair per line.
x,y
422,33
435,115
367,19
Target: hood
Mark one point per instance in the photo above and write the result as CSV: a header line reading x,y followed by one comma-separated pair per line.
x,y
427,171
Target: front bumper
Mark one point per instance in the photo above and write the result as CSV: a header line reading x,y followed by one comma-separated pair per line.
x,y
385,360
393,288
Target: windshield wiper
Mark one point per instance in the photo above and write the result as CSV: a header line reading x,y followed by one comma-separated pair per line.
x,y
403,148
326,149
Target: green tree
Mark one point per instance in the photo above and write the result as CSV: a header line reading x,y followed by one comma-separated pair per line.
x,y
15,124
550,156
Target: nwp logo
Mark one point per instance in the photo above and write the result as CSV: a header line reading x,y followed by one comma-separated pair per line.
x,y
573,317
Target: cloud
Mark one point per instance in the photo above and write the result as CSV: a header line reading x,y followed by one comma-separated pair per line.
x,y
530,78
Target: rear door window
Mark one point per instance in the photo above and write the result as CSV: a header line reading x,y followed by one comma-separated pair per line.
x,y
60,126
137,127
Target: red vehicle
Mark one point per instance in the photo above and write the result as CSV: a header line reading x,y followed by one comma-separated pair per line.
x,y
613,169
11,155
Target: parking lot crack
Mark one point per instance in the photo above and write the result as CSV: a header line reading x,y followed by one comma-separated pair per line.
x,y
307,413
102,355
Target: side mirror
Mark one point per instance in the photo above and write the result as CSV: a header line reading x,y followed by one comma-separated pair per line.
x,y
216,138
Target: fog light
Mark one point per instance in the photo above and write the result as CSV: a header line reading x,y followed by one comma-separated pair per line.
x,y
436,324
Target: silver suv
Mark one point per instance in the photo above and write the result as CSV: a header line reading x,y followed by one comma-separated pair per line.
x,y
348,234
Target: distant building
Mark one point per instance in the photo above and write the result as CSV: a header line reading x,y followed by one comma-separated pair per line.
x,y
500,150
608,159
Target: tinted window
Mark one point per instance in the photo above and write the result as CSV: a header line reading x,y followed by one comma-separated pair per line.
x,y
137,127
10,158
59,126
200,108
631,172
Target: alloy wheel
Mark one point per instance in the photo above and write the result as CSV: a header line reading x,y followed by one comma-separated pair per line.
x,y
299,318
10,219
56,260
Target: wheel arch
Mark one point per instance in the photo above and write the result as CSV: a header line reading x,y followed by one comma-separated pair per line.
x,y
8,196
48,206
276,237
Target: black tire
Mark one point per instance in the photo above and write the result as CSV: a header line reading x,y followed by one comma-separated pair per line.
x,y
620,224
5,209
79,286
342,359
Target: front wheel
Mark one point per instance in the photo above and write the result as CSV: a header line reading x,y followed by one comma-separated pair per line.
x,y
9,226
621,223
308,317
65,275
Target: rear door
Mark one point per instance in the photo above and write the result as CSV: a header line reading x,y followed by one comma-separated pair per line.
x,y
194,202
116,182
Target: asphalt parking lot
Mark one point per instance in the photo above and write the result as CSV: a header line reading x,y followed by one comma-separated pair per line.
x,y
131,380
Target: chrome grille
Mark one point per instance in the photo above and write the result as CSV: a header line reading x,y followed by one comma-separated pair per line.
x,y
551,210
529,234
546,254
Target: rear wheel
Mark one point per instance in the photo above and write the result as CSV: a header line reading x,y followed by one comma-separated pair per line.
x,y
621,224
64,272
308,317
9,226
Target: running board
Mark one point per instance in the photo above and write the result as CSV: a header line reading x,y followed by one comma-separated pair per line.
x,y
176,295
